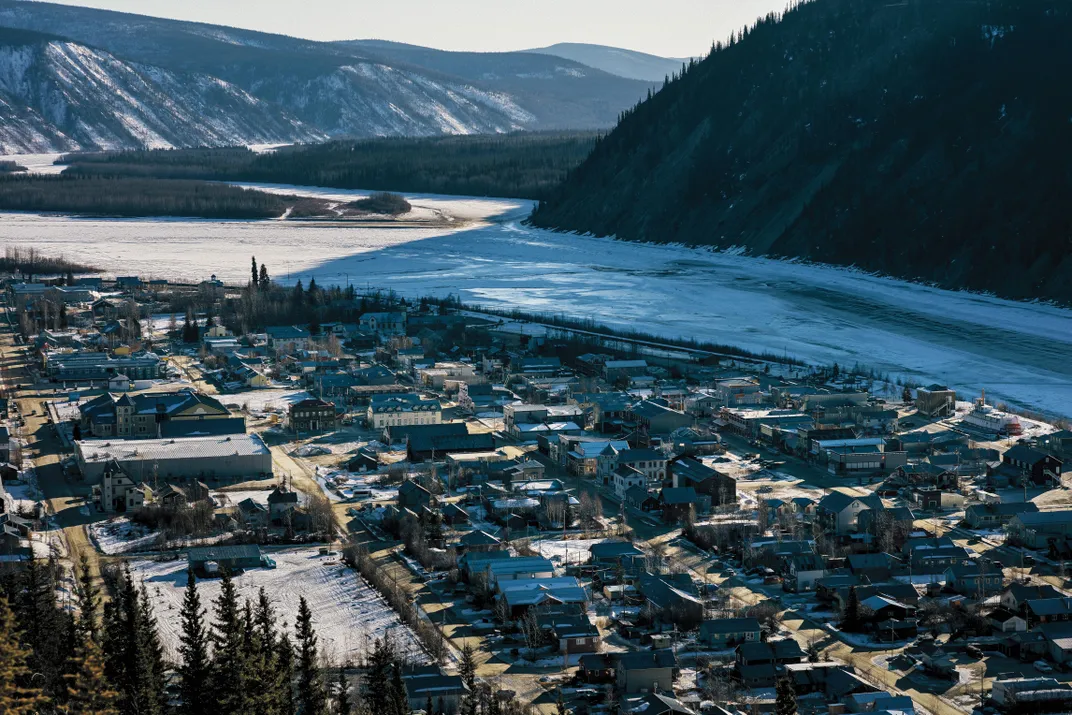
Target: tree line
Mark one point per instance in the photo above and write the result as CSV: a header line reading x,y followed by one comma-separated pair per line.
x,y
30,262
104,657
520,165
128,197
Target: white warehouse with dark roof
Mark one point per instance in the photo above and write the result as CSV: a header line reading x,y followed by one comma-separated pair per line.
x,y
223,456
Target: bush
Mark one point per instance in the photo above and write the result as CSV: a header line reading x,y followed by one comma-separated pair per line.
x,y
383,203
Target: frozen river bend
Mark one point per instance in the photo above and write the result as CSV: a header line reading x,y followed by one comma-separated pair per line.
x,y
1018,352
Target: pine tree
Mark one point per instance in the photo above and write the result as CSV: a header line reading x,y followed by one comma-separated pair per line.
x,y
18,694
88,691
194,670
256,276
786,698
342,700
312,699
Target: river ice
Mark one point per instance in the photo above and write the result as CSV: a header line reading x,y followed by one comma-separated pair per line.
x,y
1018,352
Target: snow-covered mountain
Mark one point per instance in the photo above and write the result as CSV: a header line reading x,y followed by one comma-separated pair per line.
x,y
108,79
60,95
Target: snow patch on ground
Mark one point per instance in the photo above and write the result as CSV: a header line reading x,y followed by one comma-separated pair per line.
x,y
347,614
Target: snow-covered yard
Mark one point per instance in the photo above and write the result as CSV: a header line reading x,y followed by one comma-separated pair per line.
x,y
265,400
347,613
120,535
564,553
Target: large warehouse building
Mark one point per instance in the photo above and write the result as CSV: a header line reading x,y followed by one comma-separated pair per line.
x,y
236,456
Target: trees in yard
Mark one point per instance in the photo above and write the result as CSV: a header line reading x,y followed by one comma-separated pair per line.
x,y
851,619
786,698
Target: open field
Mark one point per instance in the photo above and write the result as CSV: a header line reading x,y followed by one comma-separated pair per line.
x,y
348,615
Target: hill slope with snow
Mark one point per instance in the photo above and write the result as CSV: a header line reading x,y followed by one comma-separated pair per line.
x,y
615,60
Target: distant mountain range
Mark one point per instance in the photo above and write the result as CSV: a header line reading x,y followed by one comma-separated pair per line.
x,y
616,61
926,139
80,78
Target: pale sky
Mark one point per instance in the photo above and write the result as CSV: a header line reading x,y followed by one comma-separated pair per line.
x,y
672,29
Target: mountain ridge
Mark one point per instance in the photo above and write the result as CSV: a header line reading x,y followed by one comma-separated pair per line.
x,y
321,89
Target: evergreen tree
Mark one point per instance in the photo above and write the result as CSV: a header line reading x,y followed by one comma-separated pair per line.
x,y
147,668
227,660
377,680
850,619
297,295
264,281
194,669
313,295
285,675
786,698
399,701
88,598
342,700
70,277
19,695
467,671
312,699
255,275
88,691
269,697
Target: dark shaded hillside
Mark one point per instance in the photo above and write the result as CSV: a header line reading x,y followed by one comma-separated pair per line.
x,y
520,165
925,139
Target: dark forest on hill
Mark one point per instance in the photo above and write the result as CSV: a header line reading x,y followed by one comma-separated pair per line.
x,y
926,139
128,197
510,165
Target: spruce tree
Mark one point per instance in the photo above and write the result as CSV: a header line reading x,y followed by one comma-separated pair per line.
x,y
264,669
255,275
378,678
297,296
19,695
285,675
88,598
399,701
786,698
264,281
467,671
227,661
147,668
312,699
194,668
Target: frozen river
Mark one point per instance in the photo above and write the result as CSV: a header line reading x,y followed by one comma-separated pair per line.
x,y
1017,352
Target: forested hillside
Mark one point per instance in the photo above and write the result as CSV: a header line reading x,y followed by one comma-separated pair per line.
x,y
924,139
514,165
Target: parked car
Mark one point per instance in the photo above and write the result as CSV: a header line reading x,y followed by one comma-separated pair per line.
x,y
1043,667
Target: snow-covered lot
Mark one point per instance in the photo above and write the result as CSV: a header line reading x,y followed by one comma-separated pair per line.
x,y
120,535
564,553
264,400
1016,351
347,613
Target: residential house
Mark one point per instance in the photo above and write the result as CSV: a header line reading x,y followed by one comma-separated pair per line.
x,y
426,684
287,339
839,512
625,478
651,463
994,516
802,570
673,598
679,503
1017,594
1036,529
572,632
609,554
727,632
690,472
1038,466
655,417
384,323
524,593
654,704
413,496
281,502
117,492
616,370
761,664
645,671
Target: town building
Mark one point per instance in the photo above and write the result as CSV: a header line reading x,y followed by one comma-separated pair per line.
x,y
312,415
403,410
219,457
156,415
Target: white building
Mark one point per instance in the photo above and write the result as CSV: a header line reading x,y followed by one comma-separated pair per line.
x,y
403,411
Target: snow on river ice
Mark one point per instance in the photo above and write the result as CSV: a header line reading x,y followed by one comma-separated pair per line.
x,y
1018,352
